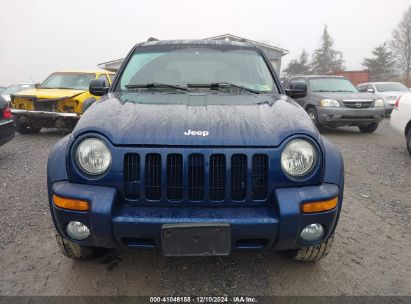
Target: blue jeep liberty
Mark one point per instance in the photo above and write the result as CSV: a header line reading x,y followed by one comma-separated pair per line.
x,y
195,150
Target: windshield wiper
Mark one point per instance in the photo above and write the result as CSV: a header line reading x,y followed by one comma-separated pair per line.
x,y
218,85
155,85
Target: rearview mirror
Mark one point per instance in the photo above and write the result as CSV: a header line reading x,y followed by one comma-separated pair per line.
x,y
297,89
97,87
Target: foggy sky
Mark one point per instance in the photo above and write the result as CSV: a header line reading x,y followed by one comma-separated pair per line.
x,y
39,37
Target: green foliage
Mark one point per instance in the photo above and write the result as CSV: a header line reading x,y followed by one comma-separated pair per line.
x,y
381,65
301,65
325,59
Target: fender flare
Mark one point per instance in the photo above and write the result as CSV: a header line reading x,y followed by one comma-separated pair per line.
x,y
87,103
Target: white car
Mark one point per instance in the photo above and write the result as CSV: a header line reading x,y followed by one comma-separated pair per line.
x,y
15,88
401,118
388,91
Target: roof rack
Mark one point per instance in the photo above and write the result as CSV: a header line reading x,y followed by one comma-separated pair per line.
x,y
152,39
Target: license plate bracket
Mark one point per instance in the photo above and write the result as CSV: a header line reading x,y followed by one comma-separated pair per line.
x,y
210,239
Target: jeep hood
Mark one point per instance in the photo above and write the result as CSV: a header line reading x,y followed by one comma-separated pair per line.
x,y
50,93
163,119
340,96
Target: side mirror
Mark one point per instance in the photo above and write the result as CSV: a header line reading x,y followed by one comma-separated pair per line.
x,y
97,87
370,90
37,85
297,90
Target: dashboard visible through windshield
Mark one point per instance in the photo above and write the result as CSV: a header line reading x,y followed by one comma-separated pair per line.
x,y
331,85
197,66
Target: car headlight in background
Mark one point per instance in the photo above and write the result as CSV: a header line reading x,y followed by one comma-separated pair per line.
x,y
379,103
298,157
93,156
329,103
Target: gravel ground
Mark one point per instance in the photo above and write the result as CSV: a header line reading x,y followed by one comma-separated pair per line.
x,y
371,254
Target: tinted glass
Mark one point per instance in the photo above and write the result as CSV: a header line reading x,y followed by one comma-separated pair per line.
x,y
331,85
198,64
76,81
391,87
17,88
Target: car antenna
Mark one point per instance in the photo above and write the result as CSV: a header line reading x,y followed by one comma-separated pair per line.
x,y
152,39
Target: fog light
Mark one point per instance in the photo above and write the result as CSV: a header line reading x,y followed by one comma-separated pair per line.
x,y
312,232
77,230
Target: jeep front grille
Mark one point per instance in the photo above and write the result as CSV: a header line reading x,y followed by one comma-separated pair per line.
x,y
175,177
196,177
152,176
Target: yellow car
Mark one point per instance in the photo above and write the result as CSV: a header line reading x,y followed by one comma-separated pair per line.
x,y
56,103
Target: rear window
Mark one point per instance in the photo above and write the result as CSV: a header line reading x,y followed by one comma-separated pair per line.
x,y
391,87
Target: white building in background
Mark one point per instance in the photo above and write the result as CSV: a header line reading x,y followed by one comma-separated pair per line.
x,y
273,53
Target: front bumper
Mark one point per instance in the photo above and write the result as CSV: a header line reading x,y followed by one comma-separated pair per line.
x,y
46,119
349,116
276,226
7,131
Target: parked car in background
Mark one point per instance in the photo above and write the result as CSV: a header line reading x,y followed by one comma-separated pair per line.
x,y
195,150
58,102
7,126
334,101
401,118
389,91
15,88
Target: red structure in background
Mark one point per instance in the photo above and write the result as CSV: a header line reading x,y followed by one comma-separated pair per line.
x,y
356,77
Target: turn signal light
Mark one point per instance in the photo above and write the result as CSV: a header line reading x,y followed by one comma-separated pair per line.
x,y
315,207
397,102
70,204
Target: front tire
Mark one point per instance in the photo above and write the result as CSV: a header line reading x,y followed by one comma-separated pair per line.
x,y
409,141
314,117
311,253
24,128
75,251
369,128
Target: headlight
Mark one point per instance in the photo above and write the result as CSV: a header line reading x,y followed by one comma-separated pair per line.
x,y
329,103
298,157
93,156
379,103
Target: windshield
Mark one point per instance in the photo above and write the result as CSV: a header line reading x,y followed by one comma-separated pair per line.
x,y
17,88
183,65
331,85
75,81
391,87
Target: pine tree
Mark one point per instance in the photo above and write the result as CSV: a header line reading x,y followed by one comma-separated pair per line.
x,y
326,59
301,65
381,65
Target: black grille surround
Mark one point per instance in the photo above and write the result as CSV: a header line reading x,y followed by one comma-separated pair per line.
x,y
196,177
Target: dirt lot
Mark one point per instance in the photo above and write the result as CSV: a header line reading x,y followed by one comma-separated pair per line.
x,y
371,254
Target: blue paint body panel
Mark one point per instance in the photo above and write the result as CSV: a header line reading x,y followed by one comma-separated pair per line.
x,y
145,123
